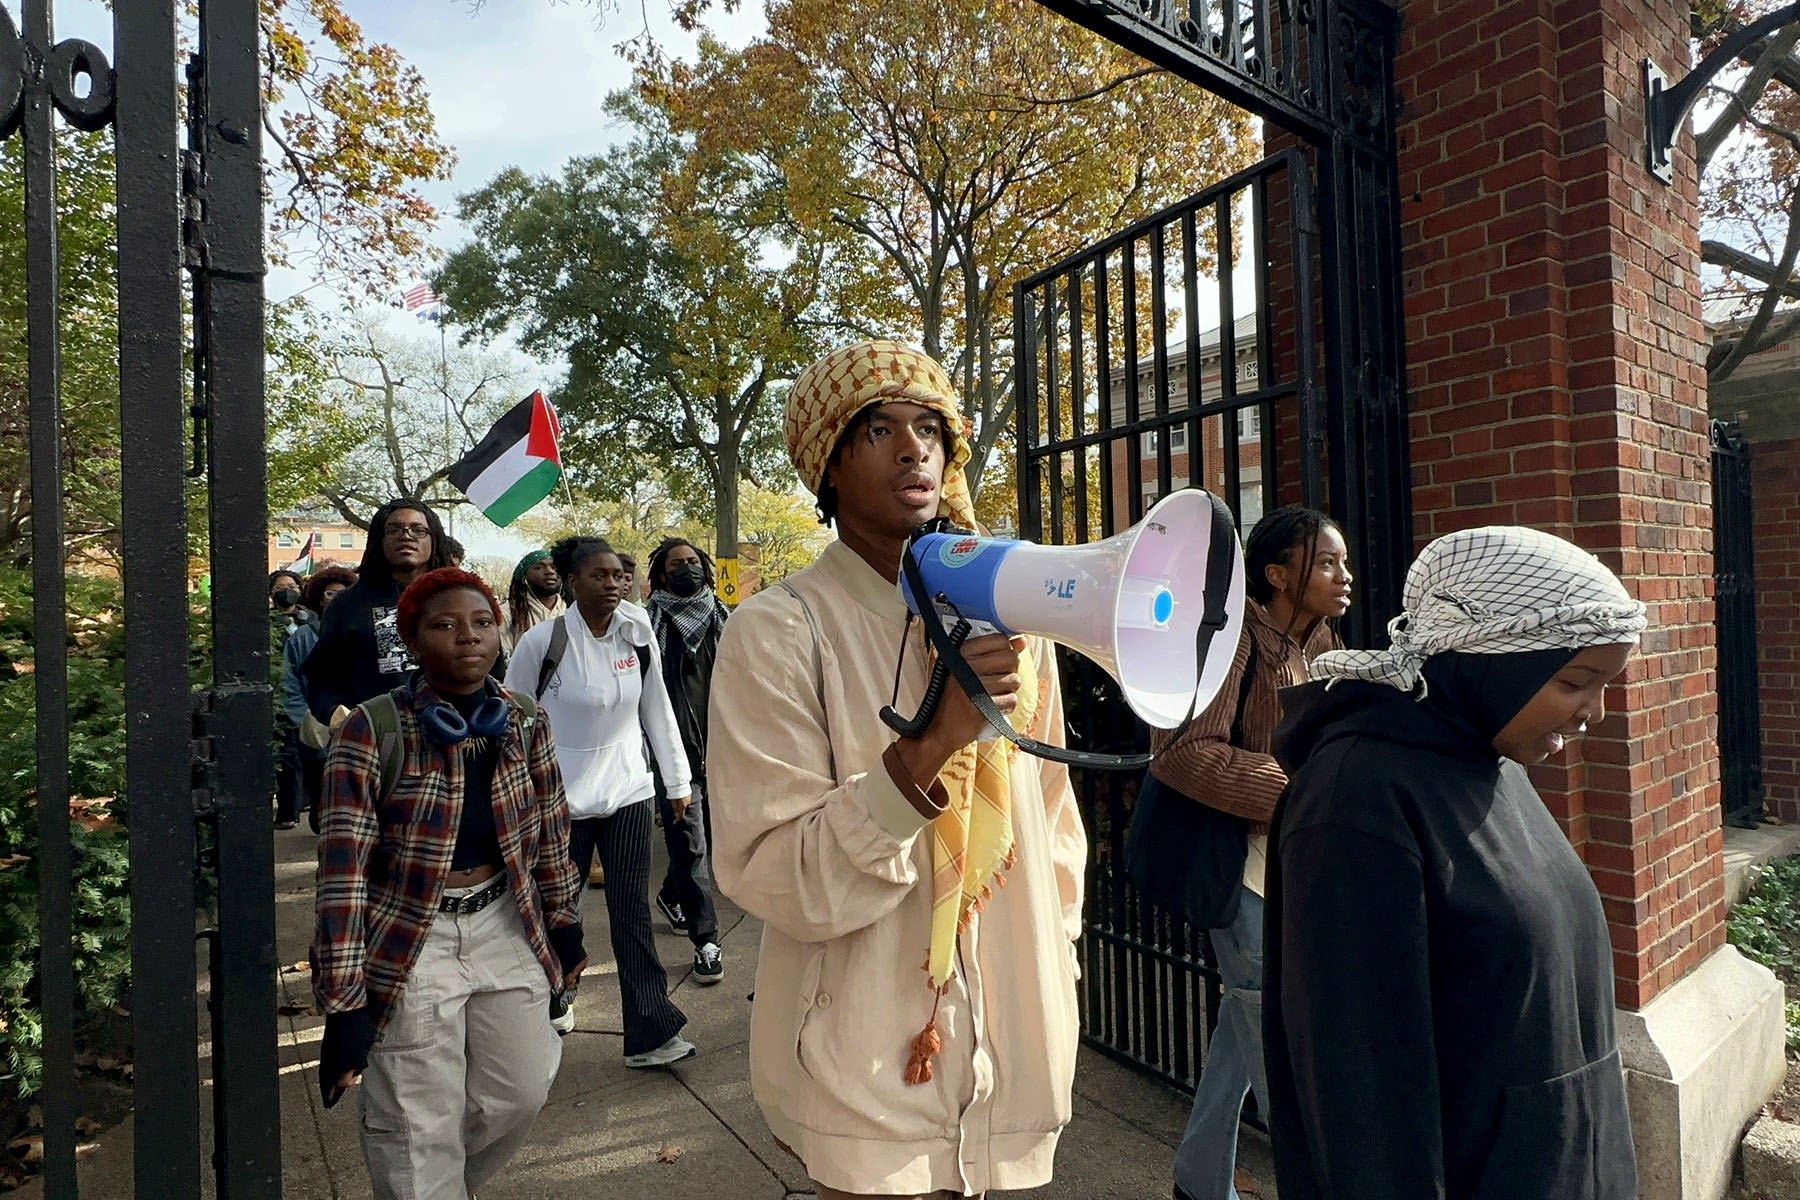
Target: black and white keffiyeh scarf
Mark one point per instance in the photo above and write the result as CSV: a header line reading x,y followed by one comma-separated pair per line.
x,y
694,617
1501,589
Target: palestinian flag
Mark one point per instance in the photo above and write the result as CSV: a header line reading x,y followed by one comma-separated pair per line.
x,y
304,564
516,465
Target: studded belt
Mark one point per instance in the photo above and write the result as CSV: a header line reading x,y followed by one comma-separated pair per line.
x,y
475,901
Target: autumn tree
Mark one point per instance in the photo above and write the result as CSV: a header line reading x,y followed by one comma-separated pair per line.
x,y
680,293
785,528
348,137
963,143
1749,158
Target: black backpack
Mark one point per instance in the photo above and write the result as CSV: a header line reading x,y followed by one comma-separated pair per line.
x,y
1184,855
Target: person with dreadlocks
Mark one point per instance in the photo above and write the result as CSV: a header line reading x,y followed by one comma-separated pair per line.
x,y
1297,575
534,597
360,653
1440,982
914,1026
688,620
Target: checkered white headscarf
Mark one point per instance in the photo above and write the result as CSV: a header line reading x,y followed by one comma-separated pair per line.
x,y
1501,589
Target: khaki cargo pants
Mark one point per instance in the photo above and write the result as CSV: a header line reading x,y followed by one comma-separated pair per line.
x,y
465,1061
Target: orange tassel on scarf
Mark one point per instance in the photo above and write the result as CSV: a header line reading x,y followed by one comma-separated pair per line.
x,y
925,1047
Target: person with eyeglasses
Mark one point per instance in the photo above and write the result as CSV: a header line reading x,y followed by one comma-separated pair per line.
x,y
360,653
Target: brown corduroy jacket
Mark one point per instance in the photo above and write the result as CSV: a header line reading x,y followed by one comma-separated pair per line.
x,y
1242,780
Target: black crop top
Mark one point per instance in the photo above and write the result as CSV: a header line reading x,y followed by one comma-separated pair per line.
x,y
477,838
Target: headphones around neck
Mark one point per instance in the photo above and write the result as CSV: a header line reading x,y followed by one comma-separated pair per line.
x,y
445,726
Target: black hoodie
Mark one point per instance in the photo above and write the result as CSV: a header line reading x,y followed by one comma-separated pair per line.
x,y
1438,997
360,654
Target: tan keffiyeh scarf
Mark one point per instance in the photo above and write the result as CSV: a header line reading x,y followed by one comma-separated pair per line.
x,y
972,840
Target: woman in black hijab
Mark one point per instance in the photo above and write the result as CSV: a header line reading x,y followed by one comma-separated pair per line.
x,y
1438,997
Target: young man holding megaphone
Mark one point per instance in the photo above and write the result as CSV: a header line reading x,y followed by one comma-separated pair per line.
x,y
914,1028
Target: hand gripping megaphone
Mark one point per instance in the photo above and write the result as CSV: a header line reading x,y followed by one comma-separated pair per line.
x,y
1160,606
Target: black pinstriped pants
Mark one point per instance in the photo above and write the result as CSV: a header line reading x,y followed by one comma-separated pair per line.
x,y
623,842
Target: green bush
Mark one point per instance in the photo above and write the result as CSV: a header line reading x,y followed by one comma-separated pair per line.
x,y
102,906
1765,926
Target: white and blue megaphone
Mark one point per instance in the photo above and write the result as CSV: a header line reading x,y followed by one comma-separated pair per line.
x,y
1133,603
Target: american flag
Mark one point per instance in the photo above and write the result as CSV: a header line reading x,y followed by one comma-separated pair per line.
x,y
420,296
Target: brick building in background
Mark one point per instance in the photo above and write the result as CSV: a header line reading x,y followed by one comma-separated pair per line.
x,y
337,541
1761,400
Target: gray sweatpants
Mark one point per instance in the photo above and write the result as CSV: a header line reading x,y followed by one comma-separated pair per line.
x,y
465,1061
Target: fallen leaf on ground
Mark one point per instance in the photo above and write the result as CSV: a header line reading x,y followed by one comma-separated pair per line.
x,y
87,1126
296,968
668,1154
83,1149
28,1149
296,1010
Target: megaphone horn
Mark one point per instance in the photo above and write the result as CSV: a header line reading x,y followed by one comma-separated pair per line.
x,y
1134,603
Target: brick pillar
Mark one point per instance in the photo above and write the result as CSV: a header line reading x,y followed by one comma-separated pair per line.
x,y
1775,481
1554,351
1554,354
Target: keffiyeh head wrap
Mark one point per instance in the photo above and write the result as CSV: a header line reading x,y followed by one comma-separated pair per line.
x,y
827,396
972,839
1502,589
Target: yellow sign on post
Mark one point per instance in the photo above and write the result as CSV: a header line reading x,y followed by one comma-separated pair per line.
x,y
728,581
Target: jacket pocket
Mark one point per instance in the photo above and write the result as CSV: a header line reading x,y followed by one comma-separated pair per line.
x,y
1567,1138
809,999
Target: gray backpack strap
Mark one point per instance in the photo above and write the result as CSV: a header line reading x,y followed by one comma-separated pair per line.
x,y
384,723
528,709
553,656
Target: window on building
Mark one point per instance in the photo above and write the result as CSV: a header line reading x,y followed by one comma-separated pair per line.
x,y
285,541
1250,505
1177,441
346,541
1249,423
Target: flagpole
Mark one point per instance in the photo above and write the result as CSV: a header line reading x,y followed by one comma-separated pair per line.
x,y
444,375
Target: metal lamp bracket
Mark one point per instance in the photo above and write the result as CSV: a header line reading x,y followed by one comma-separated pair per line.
x,y
1666,106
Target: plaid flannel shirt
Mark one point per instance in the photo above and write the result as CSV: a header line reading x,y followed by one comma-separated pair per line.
x,y
382,864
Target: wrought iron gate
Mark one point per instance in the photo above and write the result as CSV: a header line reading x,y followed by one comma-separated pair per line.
x,y
1141,368
199,823
1734,579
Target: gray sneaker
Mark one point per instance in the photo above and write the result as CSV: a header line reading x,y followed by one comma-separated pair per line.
x,y
709,964
667,1054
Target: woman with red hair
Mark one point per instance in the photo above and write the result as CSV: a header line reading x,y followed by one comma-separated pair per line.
x,y
446,905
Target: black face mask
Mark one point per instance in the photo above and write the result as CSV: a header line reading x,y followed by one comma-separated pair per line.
x,y
687,579
286,597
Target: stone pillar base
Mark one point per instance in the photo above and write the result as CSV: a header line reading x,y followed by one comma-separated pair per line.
x,y
1700,1059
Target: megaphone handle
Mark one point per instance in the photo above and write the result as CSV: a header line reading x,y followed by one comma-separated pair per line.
x,y
934,692
949,656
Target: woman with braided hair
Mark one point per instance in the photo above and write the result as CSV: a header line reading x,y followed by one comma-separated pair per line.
x,y
1297,574
1440,981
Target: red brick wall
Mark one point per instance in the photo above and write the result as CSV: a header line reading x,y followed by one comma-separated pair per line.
x,y
1553,358
1775,484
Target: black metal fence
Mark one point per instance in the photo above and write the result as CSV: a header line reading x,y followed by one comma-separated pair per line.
x,y
1180,351
195,209
1734,579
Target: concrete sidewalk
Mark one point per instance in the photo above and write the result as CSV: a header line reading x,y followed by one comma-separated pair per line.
x,y
605,1126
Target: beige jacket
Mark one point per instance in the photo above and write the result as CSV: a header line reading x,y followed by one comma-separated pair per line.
x,y
812,835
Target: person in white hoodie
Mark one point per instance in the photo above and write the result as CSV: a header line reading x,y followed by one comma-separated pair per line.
x,y
597,675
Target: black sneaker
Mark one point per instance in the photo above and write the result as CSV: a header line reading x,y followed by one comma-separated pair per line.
x,y
709,964
672,913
